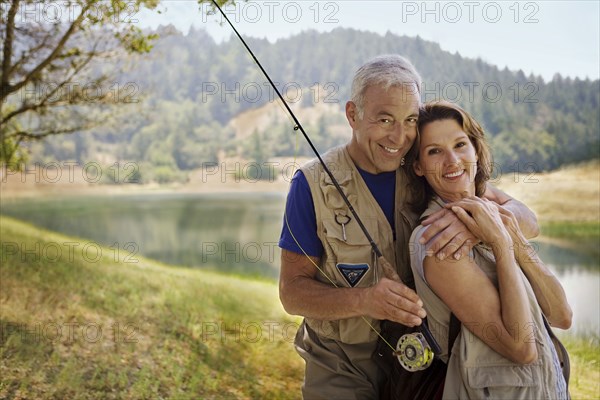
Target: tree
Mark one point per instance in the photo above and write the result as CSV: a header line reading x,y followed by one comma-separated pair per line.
x,y
53,79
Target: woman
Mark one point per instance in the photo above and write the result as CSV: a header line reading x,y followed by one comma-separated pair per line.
x,y
500,291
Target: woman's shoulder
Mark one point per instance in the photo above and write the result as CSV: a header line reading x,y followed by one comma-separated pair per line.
x,y
417,233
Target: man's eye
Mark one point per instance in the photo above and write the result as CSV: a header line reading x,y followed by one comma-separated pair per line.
x,y
385,120
412,120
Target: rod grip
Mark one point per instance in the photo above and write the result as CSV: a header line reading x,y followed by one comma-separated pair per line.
x,y
390,272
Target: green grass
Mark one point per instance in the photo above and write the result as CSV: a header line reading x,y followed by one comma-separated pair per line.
x,y
580,230
167,332
581,236
584,353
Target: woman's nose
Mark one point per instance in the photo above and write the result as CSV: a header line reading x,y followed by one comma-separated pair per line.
x,y
451,157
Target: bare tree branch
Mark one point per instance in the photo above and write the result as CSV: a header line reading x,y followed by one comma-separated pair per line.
x,y
45,133
27,55
7,51
44,102
38,69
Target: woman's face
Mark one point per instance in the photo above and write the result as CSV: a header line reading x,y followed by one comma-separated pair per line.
x,y
447,159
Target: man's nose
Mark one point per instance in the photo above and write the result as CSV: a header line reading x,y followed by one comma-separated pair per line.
x,y
398,136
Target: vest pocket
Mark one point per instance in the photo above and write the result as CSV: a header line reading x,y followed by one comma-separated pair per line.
x,y
487,374
347,248
498,376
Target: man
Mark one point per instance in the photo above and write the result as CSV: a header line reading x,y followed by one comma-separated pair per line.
x,y
329,274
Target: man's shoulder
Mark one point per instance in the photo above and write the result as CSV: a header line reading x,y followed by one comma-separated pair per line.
x,y
338,163
332,155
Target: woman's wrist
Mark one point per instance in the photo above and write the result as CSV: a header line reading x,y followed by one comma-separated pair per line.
x,y
503,246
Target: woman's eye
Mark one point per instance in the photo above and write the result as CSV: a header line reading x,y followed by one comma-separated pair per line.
x,y
433,151
461,144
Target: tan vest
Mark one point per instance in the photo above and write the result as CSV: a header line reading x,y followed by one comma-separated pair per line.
x,y
475,371
354,248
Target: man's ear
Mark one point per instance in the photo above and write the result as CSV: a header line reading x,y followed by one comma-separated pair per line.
x,y
351,113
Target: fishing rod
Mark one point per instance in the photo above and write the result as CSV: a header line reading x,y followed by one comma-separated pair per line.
x,y
410,347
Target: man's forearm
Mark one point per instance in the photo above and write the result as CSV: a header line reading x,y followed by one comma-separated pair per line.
x,y
547,288
302,294
526,218
313,299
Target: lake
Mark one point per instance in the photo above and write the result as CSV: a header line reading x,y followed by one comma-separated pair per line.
x,y
237,234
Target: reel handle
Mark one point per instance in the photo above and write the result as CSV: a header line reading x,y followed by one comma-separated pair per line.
x,y
435,347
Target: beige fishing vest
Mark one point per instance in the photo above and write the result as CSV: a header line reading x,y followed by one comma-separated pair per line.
x,y
346,247
475,370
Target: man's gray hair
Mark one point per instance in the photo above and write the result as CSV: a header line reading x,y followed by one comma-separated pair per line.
x,y
386,70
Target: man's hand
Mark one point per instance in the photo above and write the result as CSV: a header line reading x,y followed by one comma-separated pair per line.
x,y
394,301
454,238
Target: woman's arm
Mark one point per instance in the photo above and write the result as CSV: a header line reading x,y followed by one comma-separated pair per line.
x,y
473,298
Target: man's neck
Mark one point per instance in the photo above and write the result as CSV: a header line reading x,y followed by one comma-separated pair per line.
x,y
358,160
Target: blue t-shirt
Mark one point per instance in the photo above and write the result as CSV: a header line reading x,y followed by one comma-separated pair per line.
x,y
300,211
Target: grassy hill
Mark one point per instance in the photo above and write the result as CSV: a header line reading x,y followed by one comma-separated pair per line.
x,y
75,328
71,328
566,202
570,194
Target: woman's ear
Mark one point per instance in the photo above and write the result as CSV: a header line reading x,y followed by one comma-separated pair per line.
x,y
417,168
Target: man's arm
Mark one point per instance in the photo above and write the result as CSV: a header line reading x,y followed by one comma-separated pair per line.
x,y
547,288
526,218
301,294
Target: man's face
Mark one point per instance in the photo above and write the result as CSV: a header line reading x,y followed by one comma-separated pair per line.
x,y
387,129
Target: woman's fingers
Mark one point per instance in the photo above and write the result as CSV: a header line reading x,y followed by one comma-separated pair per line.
x,y
465,218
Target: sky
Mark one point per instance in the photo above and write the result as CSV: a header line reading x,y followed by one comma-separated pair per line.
x,y
540,37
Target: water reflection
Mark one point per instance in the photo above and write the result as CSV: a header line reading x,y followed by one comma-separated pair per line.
x,y
567,256
583,291
579,274
222,232
239,234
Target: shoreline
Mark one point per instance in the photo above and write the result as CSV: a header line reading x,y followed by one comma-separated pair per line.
x,y
568,195
16,190
10,190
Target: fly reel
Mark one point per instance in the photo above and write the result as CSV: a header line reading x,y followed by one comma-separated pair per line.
x,y
413,352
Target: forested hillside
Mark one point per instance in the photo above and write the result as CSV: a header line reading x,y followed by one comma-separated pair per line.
x,y
190,94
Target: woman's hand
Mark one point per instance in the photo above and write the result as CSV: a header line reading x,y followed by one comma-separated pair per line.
x,y
512,225
484,220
